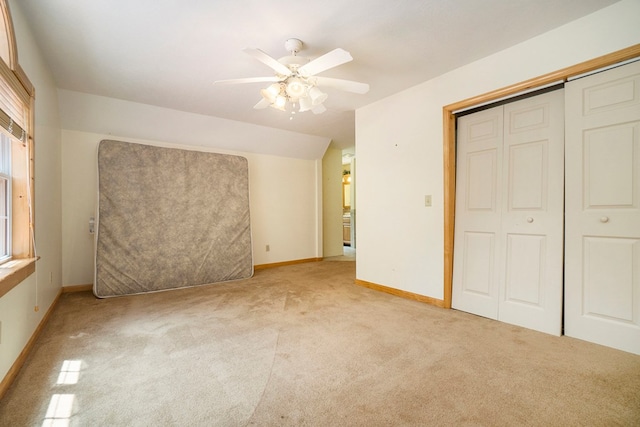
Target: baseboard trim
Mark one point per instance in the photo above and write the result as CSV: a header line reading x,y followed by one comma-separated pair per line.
x,y
401,293
284,263
77,288
22,357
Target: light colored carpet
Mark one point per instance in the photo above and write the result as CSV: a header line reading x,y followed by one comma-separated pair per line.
x,y
303,346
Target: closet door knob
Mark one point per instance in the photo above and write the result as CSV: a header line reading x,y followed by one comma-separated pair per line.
x,y
604,219
529,220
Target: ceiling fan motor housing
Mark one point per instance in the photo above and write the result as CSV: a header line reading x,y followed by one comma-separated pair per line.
x,y
293,62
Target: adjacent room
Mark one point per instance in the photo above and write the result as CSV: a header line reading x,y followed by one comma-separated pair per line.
x,y
354,213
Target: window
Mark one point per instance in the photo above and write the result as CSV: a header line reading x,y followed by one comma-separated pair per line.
x,y
16,162
5,197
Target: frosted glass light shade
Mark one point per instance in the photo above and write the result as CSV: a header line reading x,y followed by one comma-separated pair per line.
x,y
296,88
305,104
280,102
271,92
317,96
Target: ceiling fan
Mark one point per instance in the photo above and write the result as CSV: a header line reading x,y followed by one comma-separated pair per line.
x,y
295,85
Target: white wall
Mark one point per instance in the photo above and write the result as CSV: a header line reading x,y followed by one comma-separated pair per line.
x,y
399,144
285,198
284,171
18,318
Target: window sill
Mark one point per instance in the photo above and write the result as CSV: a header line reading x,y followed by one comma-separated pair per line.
x,y
20,269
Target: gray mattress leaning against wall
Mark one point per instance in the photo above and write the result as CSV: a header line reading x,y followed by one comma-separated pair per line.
x,y
169,218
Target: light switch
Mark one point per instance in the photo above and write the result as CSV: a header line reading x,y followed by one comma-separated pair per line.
x,y
427,200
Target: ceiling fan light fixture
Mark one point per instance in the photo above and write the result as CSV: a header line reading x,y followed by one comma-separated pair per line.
x,y
317,96
267,96
280,102
271,92
305,104
296,88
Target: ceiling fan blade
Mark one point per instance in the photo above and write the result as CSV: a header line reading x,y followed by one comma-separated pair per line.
x,y
328,60
247,80
263,103
269,61
346,85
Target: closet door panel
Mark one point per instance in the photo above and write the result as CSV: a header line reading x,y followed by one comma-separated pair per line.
x,y
602,278
509,213
478,203
532,218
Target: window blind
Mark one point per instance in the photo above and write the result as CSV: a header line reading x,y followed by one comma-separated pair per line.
x,y
11,126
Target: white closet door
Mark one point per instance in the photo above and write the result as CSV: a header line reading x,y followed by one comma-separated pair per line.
x,y
509,213
533,213
477,243
602,278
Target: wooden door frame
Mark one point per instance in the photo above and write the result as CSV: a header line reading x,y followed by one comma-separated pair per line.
x,y
449,136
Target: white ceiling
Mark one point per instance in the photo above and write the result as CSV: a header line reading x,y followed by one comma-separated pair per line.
x,y
167,53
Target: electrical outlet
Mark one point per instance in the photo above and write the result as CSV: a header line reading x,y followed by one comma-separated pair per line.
x,y
268,248
427,200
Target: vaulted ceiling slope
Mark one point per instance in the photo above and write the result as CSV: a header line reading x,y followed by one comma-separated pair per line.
x,y
168,53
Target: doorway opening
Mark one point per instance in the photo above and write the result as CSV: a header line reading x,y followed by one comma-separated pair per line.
x,y
348,204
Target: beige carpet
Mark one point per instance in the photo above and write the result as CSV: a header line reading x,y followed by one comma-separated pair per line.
x,y
303,346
